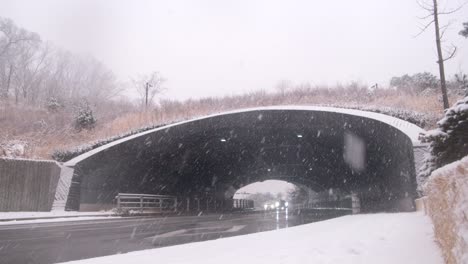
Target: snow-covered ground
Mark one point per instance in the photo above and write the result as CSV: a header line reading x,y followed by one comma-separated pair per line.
x,y
59,219
16,215
375,238
10,218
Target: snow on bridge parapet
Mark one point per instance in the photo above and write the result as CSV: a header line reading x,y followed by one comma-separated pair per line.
x,y
409,129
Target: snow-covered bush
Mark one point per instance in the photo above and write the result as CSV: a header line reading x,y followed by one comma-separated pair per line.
x,y
416,83
84,118
121,212
461,83
127,212
447,204
448,142
53,104
13,148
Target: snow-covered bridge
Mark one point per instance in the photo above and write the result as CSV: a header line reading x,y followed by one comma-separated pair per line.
x,y
320,148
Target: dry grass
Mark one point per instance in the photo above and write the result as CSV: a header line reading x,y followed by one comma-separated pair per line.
x,y
447,194
45,132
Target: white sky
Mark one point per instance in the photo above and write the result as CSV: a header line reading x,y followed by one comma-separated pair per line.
x,y
216,47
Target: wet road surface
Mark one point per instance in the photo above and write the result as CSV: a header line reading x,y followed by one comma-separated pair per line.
x,y
53,242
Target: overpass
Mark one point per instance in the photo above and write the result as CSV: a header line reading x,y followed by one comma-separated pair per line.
x,y
319,148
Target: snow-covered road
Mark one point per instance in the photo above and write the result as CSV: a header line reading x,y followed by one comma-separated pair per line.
x,y
374,238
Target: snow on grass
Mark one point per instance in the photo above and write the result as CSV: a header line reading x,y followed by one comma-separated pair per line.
x,y
377,238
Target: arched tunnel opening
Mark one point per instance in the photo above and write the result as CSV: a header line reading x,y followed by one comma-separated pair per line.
x,y
270,191
298,196
213,157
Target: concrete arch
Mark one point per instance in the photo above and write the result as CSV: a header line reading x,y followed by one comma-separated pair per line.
x,y
214,153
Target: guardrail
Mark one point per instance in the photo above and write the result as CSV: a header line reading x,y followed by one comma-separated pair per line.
x,y
242,204
146,202
315,207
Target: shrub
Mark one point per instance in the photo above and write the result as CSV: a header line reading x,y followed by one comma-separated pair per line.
x,y
84,118
53,104
448,142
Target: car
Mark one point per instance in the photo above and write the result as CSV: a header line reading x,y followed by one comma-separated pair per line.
x,y
276,205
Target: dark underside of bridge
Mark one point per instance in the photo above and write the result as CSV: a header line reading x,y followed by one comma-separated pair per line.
x,y
214,156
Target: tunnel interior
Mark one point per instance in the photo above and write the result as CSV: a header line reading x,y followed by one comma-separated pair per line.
x,y
270,191
215,156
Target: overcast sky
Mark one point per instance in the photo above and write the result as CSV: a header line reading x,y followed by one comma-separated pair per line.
x,y
215,47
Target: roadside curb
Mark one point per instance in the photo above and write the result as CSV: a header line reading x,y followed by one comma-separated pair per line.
x,y
110,215
53,217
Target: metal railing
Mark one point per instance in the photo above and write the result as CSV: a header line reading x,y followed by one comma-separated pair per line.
x,y
350,203
146,202
315,207
242,204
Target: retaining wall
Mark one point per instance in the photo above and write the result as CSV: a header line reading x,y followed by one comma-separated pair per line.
x,y
447,204
27,185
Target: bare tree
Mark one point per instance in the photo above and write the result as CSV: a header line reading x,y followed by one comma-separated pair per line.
x,y
148,86
283,85
432,8
30,69
16,47
12,35
33,71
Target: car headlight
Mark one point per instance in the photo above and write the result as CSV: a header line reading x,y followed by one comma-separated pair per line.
x,y
286,204
277,204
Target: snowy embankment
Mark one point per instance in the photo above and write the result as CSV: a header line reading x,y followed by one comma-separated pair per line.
x,y
447,201
16,215
376,238
59,219
8,218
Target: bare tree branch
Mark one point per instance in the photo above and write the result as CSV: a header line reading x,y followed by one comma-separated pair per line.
x,y
444,29
453,10
425,6
423,29
426,17
454,51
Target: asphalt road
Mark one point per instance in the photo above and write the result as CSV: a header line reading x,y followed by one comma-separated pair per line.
x,y
54,242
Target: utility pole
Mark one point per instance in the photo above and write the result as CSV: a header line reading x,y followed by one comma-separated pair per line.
x,y
148,85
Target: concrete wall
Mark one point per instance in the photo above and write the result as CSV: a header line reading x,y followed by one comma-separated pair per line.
x,y
27,185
